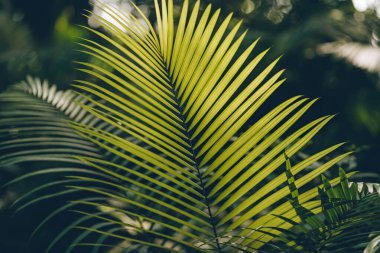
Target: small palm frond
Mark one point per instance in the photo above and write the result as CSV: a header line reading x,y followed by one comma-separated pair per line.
x,y
197,178
37,141
348,221
35,116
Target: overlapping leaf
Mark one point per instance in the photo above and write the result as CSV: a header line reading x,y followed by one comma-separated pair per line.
x,y
347,223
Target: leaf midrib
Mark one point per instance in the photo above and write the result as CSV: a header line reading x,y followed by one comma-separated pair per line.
x,y
186,128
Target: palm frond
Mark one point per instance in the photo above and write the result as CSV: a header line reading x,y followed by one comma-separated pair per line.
x,y
186,95
37,142
348,221
175,163
35,116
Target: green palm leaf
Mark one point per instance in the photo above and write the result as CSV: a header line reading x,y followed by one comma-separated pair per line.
x,y
181,100
163,143
38,142
347,223
36,116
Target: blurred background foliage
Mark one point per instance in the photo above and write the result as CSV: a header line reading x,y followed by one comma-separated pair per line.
x,y
330,49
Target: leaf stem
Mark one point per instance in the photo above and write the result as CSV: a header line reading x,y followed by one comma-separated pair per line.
x,y
197,167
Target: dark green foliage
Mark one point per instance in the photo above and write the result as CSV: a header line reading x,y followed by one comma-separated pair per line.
x,y
348,222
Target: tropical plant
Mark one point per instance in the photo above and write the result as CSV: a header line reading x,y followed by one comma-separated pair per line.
x,y
38,144
182,156
348,221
